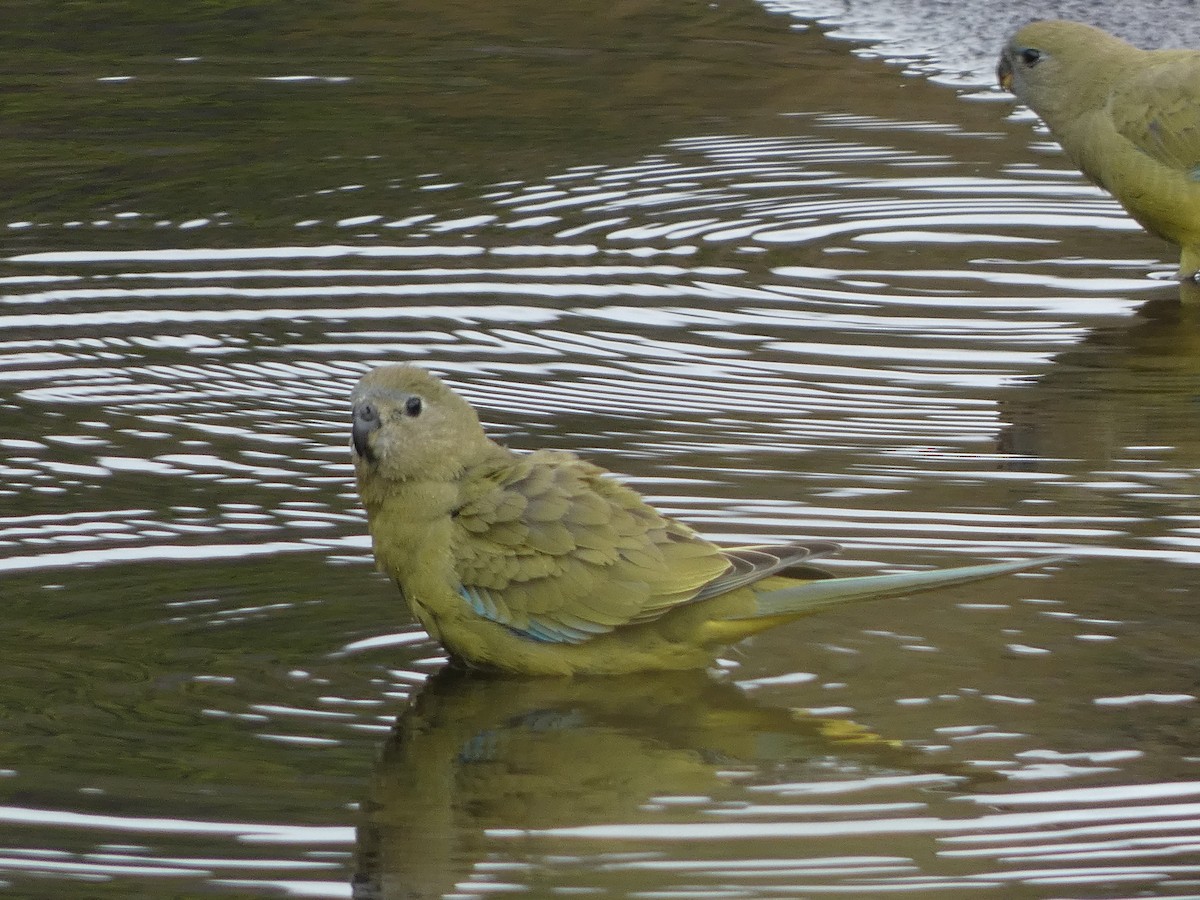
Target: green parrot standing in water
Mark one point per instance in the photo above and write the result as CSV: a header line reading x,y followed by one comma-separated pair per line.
x,y
1128,118
543,564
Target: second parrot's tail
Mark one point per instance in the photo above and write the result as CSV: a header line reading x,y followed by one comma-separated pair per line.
x,y
807,597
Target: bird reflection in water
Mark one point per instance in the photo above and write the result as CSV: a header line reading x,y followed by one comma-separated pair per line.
x,y
474,755
1131,384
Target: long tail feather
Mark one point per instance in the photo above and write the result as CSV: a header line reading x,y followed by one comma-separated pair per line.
x,y
814,596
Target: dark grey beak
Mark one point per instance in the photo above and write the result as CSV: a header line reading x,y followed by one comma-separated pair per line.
x,y
366,422
1004,72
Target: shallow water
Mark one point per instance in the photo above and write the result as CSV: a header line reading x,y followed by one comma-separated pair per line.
x,y
786,290
957,41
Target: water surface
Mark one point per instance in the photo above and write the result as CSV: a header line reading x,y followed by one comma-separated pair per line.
x,y
787,291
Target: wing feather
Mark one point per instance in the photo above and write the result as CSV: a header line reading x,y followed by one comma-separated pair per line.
x,y
1157,109
752,563
551,547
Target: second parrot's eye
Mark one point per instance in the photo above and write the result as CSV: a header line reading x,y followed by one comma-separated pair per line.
x,y
1030,57
412,406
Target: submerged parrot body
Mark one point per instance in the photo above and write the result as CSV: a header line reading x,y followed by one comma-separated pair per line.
x,y
543,564
1128,118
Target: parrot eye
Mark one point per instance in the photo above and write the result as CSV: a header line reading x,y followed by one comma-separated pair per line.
x,y
412,407
1030,57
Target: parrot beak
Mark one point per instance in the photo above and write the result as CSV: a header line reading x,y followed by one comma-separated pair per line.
x,y
365,423
1004,73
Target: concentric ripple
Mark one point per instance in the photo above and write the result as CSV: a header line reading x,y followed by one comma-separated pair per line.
x,y
648,296
909,336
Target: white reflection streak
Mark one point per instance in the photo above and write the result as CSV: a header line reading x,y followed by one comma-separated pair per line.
x,y
1006,329
1115,285
858,863
384,640
291,888
595,271
507,314
248,831
210,254
917,825
879,352
775,233
176,552
92,868
488,288
1114,794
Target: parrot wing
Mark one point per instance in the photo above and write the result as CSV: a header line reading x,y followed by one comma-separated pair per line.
x,y
753,563
551,548
1157,109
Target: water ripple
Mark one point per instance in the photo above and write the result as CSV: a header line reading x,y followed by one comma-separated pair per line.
x,y
867,329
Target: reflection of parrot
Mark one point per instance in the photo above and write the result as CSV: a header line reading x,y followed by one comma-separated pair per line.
x,y
476,764
1129,118
540,564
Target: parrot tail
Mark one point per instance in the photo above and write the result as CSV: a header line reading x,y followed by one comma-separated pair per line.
x,y
807,597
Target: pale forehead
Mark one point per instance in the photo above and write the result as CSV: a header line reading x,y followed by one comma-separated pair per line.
x,y
1054,32
400,379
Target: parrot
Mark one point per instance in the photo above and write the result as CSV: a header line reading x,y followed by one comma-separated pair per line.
x,y
542,563
1128,118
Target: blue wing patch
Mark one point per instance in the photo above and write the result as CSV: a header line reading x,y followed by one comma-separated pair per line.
x,y
545,631
480,600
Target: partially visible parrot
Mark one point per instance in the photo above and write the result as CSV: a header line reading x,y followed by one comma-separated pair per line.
x,y
1128,118
543,564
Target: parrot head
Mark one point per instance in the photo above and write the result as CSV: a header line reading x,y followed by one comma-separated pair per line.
x,y
406,424
1056,66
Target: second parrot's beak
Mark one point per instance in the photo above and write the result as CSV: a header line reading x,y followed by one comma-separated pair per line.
x,y
366,422
1004,73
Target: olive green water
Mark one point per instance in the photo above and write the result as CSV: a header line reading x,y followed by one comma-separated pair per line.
x,y
786,290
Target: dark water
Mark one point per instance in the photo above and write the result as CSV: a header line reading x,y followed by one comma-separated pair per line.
x,y
787,291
